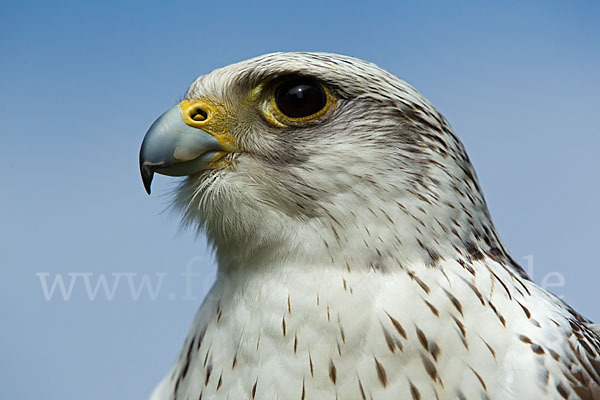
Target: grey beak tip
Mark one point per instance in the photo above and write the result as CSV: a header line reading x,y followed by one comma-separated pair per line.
x,y
147,186
147,172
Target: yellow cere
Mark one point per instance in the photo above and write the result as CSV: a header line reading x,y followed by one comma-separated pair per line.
x,y
211,118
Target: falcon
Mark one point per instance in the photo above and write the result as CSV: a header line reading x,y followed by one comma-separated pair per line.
x,y
357,258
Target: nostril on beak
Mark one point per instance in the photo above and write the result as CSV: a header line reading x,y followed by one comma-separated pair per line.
x,y
196,113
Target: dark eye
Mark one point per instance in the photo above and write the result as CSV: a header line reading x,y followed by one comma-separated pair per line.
x,y
300,97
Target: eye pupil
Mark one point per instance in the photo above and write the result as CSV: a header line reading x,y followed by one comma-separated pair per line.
x,y
300,98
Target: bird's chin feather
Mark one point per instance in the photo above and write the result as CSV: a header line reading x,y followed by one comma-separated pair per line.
x,y
233,211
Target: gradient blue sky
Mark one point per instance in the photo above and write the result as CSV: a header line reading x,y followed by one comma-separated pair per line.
x,y
81,82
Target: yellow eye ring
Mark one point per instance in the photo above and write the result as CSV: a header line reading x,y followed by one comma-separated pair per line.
x,y
297,100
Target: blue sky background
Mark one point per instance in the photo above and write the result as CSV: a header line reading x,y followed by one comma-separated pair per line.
x,y
80,83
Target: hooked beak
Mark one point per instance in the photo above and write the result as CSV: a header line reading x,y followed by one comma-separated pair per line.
x,y
176,144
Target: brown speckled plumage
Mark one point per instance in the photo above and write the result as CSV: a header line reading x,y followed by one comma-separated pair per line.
x,y
357,257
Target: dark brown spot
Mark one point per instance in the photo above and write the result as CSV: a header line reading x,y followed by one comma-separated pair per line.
x,y
476,291
289,305
389,339
206,357
462,331
422,338
434,257
429,368
254,388
362,390
283,325
188,359
460,326
414,392
177,385
381,374
563,391
398,327
200,338
479,378
490,349
537,349
454,302
503,285
208,372
295,343
303,390
546,376
386,215
432,308
220,382
332,372
463,263
525,339
422,284
434,350
500,317
526,311
310,363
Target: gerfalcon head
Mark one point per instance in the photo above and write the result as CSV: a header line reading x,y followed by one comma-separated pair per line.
x,y
320,158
